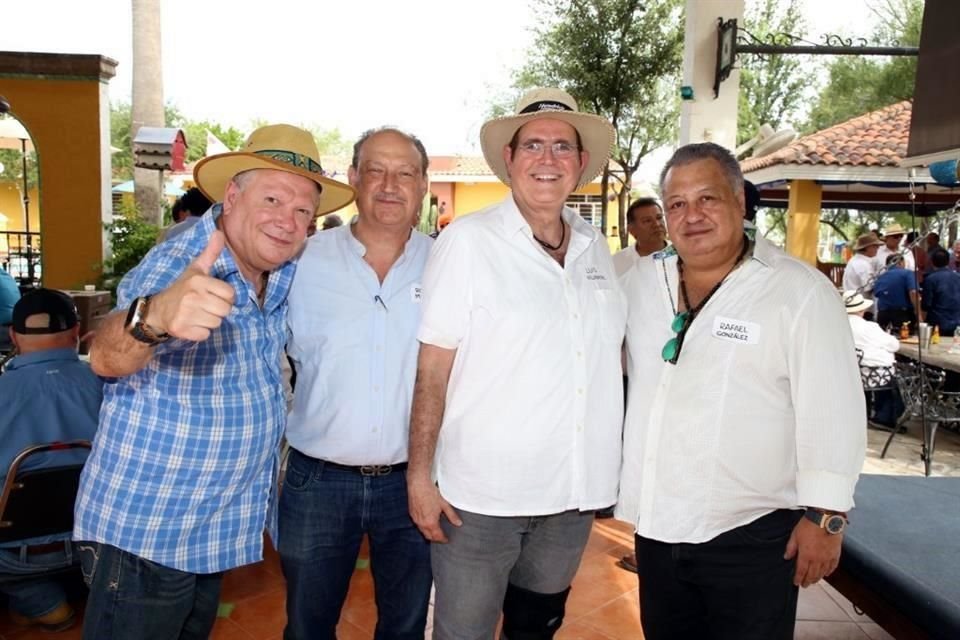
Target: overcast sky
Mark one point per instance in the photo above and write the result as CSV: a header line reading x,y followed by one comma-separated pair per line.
x,y
429,66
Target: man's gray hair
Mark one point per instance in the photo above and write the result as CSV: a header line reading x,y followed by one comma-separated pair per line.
x,y
691,153
414,140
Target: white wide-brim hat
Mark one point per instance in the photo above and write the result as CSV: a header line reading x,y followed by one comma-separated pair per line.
x,y
281,147
596,134
855,302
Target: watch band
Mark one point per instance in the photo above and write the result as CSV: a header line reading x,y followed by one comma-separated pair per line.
x,y
138,329
830,521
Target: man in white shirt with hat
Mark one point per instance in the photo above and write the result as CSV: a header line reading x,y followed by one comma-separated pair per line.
x,y
892,236
861,270
518,400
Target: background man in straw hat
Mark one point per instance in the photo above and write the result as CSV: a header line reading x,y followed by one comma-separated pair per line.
x,y
353,341
861,269
744,410
892,236
518,383
181,476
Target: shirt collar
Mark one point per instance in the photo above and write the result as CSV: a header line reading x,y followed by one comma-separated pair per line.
x,y
38,357
513,221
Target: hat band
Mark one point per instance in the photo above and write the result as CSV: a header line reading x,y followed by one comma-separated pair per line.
x,y
545,105
292,158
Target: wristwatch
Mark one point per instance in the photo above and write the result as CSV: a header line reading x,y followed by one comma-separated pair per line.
x,y
831,522
140,330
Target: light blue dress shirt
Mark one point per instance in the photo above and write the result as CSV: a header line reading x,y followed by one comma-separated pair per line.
x,y
353,342
47,396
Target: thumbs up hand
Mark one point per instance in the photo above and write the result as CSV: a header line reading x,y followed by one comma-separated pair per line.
x,y
196,303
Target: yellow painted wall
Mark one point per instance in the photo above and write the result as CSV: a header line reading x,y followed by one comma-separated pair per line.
x,y
11,205
63,117
473,196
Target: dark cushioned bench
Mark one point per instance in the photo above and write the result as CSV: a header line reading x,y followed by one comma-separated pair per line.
x,y
901,555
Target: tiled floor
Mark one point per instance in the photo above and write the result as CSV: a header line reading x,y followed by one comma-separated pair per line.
x,y
603,603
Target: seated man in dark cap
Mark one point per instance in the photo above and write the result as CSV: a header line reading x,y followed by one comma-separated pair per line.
x,y
48,395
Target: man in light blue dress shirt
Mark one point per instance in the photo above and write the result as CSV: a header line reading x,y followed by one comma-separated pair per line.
x,y
354,313
48,395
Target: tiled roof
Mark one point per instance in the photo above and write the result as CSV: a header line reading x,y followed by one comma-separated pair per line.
x,y
459,165
876,139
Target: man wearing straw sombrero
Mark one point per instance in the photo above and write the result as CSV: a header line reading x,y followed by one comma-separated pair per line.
x,y
179,483
518,388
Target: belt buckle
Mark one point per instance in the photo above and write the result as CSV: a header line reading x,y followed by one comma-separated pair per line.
x,y
375,469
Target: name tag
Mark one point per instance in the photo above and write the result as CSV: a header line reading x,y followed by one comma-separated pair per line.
x,y
596,276
416,293
739,331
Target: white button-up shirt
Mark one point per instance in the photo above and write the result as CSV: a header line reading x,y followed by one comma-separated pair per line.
x,y
877,345
880,260
763,411
859,274
353,341
624,259
534,407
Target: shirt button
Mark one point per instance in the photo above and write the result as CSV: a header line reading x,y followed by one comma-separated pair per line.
x,y
576,315
376,387
579,354
580,391
579,428
379,348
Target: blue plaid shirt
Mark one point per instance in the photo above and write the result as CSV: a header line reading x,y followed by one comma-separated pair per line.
x,y
183,465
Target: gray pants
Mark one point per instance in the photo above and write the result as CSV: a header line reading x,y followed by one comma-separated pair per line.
x,y
472,570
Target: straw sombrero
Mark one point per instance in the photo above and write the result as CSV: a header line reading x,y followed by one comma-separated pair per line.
x,y
866,240
278,146
596,134
855,302
894,230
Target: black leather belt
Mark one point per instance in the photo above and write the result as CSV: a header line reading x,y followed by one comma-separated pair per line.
x,y
368,469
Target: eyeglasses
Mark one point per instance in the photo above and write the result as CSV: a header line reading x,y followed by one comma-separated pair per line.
x,y
671,350
559,149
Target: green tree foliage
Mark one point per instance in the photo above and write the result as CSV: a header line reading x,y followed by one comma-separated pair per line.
x,y
131,239
860,84
619,59
771,87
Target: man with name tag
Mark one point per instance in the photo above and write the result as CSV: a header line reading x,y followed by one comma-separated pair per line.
x,y
354,313
744,434
519,382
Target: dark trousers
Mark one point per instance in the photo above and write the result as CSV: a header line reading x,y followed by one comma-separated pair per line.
x,y
734,587
895,318
133,598
324,513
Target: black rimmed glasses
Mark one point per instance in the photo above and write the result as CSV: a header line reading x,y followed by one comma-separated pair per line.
x,y
671,350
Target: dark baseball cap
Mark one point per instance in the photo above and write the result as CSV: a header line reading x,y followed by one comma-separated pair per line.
x,y
44,311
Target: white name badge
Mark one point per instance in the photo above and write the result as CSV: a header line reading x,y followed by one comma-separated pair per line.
x,y
416,293
739,331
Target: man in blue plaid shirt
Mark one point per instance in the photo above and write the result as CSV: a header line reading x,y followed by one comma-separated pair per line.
x,y
180,481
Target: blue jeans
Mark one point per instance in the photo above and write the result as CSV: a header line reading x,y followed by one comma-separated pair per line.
x,y
734,587
324,513
536,553
23,579
133,598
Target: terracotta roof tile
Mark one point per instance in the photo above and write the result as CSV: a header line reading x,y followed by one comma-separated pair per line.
x,y
874,139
